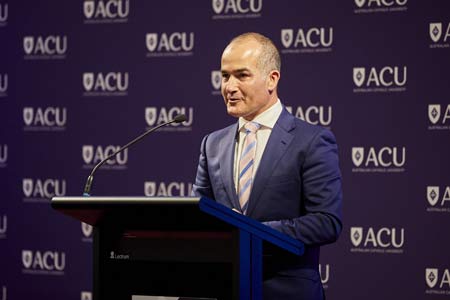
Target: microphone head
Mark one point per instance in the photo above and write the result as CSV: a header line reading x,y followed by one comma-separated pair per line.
x,y
180,118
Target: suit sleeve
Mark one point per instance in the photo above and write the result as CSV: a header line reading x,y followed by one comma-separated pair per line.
x,y
320,221
202,185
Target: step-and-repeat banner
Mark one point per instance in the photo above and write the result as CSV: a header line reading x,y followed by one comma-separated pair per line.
x,y
80,78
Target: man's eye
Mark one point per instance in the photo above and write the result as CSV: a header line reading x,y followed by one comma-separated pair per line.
x,y
243,75
225,76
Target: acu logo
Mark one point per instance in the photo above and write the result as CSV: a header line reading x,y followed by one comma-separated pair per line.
x,y
94,156
237,6
311,38
385,157
49,45
3,12
379,3
48,117
436,32
434,113
3,83
43,188
109,9
385,77
433,195
167,190
153,117
109,82
432,278
49,260
175,42
384,237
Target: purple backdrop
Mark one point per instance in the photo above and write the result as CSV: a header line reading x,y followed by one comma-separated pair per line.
x,y
79,78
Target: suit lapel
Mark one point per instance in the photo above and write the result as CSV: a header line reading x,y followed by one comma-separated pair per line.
x,y
226,148
278,142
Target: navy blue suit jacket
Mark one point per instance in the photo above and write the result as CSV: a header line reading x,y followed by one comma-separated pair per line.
x,y
296,190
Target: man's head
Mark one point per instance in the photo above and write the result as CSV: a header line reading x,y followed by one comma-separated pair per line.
x,y
250,73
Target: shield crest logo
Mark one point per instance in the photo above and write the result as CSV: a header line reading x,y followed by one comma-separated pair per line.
x,y
432,195
359,74
86,229
150,115
360,3
356,235
3,83
287,36
216,79
150,188
88,81
28,44
434,113
435,31
28,114
27,257
89,9
151,41
88,153
431,275
86,296
217,6
27,186
357,155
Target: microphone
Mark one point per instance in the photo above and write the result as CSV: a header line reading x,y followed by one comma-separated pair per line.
x,y
88,186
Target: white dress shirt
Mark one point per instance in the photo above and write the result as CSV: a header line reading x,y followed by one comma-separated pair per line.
x,y
267,120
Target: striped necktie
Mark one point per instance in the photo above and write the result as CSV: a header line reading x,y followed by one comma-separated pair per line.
x,y
246,164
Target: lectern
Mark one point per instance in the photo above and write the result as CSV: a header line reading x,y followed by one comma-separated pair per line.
x,y
148,248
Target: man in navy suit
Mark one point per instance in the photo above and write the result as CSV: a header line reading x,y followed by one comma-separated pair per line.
x,y
276,169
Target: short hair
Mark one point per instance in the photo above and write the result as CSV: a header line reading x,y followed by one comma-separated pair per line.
x,y
270,56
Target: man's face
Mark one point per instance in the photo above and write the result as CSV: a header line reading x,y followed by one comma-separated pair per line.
x,y
245,88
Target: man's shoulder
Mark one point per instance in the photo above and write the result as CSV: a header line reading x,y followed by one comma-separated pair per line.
x,y
301,127
307,132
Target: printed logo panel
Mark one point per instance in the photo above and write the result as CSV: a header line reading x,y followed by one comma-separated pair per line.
x,y
45,119
45,47
176,44
439,33
155,116
236,9
380,6
438,199
380,80
106,11
385,240
379,160
307,40
43,262
93,154
439,117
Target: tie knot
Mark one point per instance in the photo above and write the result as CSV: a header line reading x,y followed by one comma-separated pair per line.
x,y
252,127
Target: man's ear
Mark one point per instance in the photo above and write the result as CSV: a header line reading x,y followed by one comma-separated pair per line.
x,y
273,78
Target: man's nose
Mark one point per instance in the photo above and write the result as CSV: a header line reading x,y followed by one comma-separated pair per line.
x,y
231,85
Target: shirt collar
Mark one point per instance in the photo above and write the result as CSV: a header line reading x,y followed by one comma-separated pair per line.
x,y
267,118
